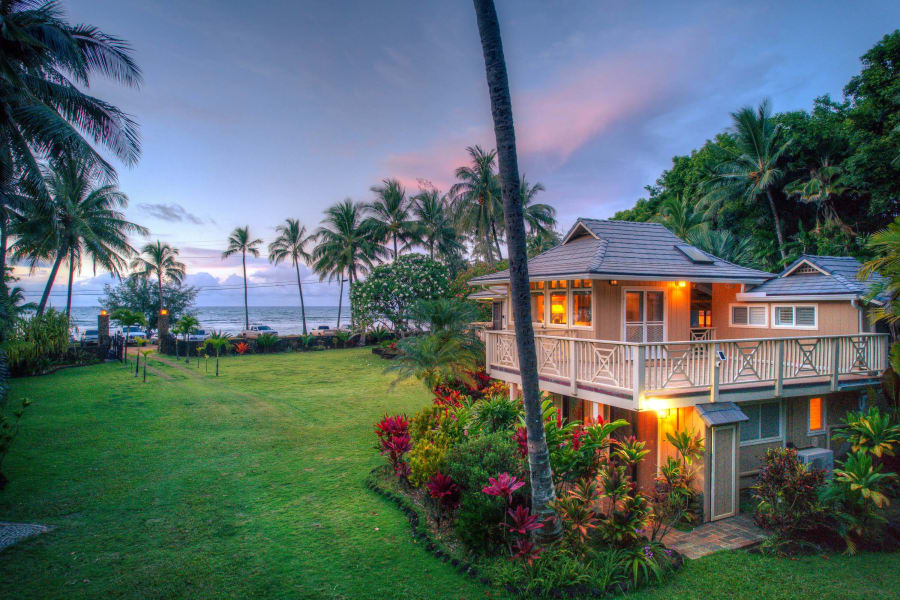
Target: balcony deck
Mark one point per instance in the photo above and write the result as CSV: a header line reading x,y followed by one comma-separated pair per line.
x,y
626,374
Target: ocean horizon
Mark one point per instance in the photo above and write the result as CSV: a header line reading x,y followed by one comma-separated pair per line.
x,y
283,319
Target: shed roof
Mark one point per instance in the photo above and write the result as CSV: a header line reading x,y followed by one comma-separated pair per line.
x,y
626,249
833,275
720,413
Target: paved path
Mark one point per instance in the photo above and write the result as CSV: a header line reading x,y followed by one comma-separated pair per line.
x,y
727,534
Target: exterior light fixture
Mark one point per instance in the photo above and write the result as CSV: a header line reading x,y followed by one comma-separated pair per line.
x,y
682,284
614,282
164,311
103,313
659,406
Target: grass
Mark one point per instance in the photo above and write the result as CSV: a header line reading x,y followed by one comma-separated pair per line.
x,y
251,485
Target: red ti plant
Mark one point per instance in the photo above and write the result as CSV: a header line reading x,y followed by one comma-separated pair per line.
x,y
523,522
395,447
392,426
503,485
521,438
241,348
442,488
526,551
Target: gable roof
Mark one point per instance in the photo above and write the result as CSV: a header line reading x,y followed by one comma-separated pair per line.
x,y
628,250
830,276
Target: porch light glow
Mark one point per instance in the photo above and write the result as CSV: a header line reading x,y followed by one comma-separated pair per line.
x,y
682,284
164,311
659,405
614,282
103,313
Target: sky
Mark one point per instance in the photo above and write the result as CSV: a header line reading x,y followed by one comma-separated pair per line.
x,y
253,113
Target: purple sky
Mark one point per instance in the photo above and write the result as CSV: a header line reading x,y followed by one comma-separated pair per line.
x,y
252,113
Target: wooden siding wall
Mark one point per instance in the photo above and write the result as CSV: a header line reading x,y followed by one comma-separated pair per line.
x,y
609,311
835,317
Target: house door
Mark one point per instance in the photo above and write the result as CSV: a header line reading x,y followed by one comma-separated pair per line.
x,y
645,318
723,456
498,315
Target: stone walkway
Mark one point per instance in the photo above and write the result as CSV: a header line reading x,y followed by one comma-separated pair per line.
x,y
727,534
11,533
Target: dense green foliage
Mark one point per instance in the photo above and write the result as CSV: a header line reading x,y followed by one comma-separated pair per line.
x,y
33,344
836,182
141,294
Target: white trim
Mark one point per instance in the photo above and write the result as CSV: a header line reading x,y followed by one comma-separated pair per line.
x,y
575,227
814,326
762,297
781,424
646,288
731,322
806,262
570,305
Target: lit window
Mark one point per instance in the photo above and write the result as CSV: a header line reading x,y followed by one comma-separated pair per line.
x,y
558,285
537,307
764,423
743,315
816,415
558,308
581,306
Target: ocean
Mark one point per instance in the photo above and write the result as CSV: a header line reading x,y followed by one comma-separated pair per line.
x,y
283,319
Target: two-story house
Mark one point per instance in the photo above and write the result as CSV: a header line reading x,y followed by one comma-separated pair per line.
x,y
632,322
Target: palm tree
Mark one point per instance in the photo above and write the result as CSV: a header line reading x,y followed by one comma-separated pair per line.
x,y
291,243
390,217
185,326
678,215
160,260
76,219
477,203
345,245
435,228
821,188
542,489
752,170
540,219
240,241
126,318
721,243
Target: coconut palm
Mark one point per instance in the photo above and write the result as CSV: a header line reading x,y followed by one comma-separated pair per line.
x,y
345,245
823,186
678,215
723,244
477,203
540,219
435,227
185,326
390,221
241,241
45,64
542,489
77,219
752,170
291,243
159,260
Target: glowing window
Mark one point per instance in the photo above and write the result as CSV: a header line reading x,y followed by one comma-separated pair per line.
x,y
558,308
816,414
581,308
537,307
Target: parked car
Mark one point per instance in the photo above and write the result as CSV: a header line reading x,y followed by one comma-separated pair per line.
x,y
256,330
90,336
133,331
198,335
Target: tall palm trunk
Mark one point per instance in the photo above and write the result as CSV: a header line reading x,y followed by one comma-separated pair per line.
x,y
777,220
46,295
542,489
159,281
69,290
340,299
497,240
395,246
246,310
300,288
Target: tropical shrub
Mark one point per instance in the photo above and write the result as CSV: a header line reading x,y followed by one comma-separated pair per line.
x,y
32,345
496,413
394,442
266,342
787,493
445,494
9,428
873,432
241,348
387,295
341,338
675,499
855,498
427,457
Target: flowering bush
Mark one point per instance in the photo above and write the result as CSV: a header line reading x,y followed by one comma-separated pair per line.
x,y
787,492
394,442
427,457
390,290
241,348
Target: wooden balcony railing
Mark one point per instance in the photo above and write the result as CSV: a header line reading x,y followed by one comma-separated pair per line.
x,y
698,365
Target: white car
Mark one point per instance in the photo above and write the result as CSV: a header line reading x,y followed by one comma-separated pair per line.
x,y
257,330
133,331
90,336
198,335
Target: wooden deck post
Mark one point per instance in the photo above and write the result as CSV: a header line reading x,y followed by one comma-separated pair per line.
x,y
714,374
488,337
779,368
638,381
573,381
835,362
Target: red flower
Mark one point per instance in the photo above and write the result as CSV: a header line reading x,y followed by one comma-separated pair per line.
x,y
504,485
241,347
526,550
392,426
559,418
523,521
521,438
577,434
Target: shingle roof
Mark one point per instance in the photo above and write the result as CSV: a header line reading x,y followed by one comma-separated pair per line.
x,y
620,249
841,278
720,413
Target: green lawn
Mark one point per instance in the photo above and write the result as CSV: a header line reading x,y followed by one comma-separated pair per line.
x,y
251,485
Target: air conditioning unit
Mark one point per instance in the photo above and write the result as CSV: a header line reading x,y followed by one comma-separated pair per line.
x,y
820,458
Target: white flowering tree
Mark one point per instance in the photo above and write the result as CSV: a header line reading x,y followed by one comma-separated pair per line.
x,y
389,293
